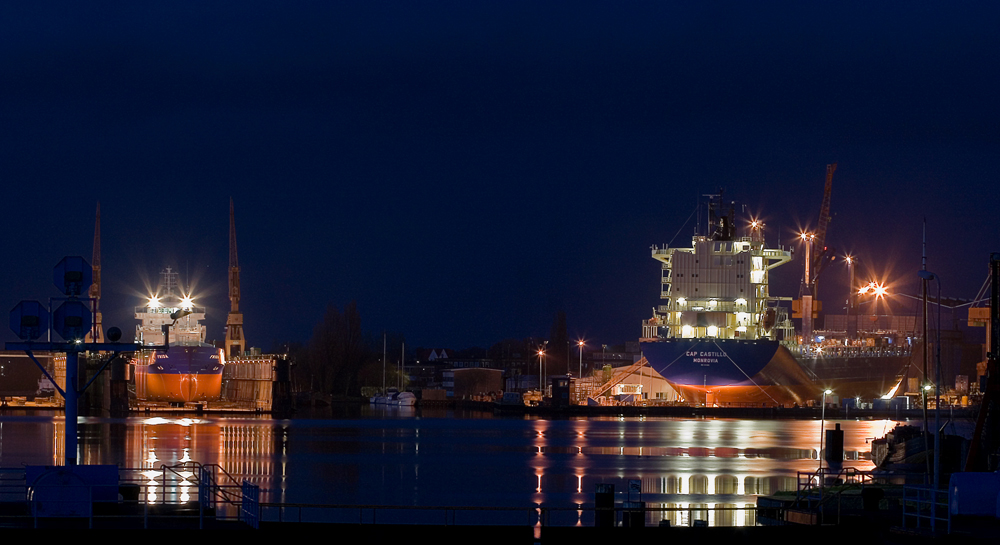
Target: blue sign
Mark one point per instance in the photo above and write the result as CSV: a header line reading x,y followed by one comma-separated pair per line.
x,y
73,276
29,320
72,320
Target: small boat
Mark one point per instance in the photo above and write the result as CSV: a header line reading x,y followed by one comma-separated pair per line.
x,y
386,398
404,399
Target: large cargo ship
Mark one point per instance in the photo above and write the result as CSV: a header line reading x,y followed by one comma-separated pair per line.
x,y
190,369
720,338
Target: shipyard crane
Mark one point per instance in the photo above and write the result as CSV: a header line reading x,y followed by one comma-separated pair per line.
x,y
815,261
96,334
823,254
235,344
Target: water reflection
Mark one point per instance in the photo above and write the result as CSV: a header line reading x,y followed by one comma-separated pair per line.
x,y
700,469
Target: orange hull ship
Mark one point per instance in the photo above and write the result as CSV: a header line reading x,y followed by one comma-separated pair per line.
x,y
184,373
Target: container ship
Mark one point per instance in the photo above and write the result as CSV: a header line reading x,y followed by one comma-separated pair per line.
x,y
720,338
190,369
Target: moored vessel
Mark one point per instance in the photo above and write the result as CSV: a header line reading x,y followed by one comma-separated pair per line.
x,y
720,338
189,369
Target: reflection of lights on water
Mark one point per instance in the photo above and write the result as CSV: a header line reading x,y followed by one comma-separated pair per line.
x,y
156,420
186,457
152,457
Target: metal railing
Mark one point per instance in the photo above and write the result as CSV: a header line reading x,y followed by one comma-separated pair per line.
x,y
817,489
622,515
138,497
926,508
193,495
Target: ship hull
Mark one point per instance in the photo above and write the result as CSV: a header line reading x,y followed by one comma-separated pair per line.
x,y
764,373
183,374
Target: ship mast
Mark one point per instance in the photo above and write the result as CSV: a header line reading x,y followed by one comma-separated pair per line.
x,y
234,322
96,334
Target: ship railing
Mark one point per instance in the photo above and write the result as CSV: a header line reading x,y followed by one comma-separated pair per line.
x,y
166,310
834,351
926,508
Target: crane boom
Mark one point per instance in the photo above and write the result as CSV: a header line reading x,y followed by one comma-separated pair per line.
x,y
824,221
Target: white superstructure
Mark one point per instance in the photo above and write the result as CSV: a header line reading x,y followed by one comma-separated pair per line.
x,y
717,287
156,314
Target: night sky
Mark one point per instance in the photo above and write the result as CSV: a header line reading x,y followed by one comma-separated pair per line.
x,y
465,170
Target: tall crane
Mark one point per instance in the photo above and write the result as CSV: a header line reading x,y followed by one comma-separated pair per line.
x,y
821,256
235,344
96,334
815,261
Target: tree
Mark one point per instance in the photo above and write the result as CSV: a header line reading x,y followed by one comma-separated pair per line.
x,y
337,352
557,354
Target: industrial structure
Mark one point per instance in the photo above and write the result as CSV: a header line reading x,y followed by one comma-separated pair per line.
x,y
235,343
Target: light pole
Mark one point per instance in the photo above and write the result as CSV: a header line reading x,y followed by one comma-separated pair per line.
x,y
541,354
850,329
822,427
806,293
927,276
580,345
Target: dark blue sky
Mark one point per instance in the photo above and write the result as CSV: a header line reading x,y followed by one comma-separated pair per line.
x,y
464,170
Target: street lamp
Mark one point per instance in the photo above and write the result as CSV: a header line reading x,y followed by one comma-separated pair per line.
x,y
928,276
541,354
849,328
822,426
580,345
806,293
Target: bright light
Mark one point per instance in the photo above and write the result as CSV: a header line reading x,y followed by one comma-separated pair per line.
x,y
541,353
712,303
187,303
687,332
880,291
928,387
849,259
828,392
154,302
579,343
681,300
893,391
741,301
713,331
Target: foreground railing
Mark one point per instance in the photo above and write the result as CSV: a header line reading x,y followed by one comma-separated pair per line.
x,y
192,495
629,514
926,508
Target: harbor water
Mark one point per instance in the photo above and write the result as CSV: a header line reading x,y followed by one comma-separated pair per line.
x,y
704,468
